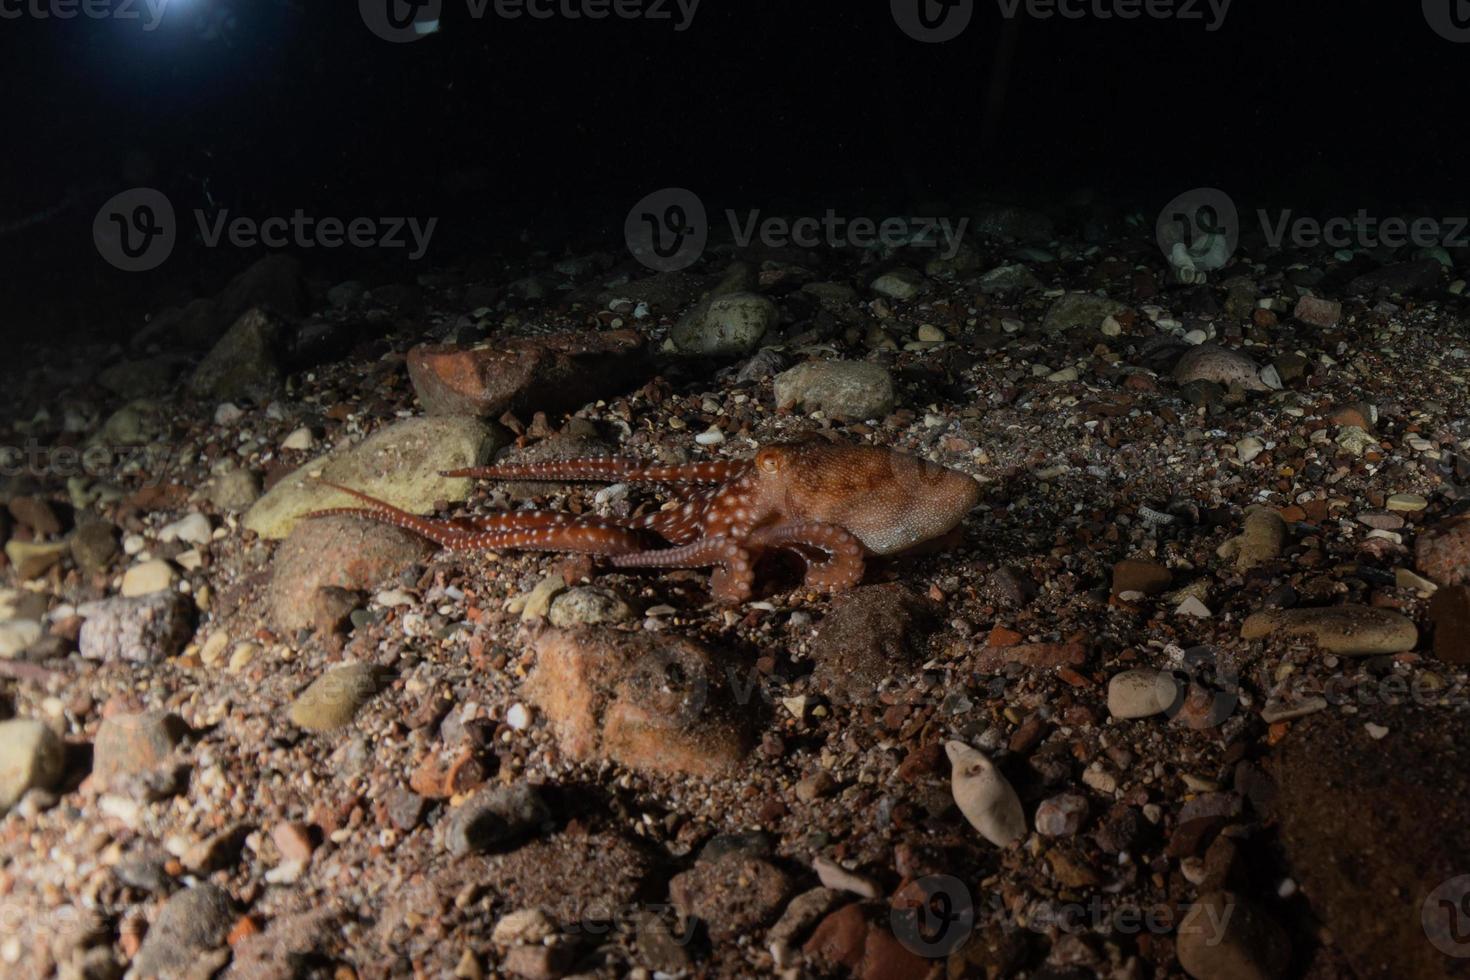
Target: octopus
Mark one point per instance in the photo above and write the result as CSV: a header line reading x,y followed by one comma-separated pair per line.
x,y
832,506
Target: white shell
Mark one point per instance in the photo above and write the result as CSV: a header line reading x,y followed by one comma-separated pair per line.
x,y
984,796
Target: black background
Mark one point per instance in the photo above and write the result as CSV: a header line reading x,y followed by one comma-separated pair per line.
x,y
548,131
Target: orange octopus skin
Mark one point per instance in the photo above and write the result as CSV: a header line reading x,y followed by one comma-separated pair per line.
x,y
833,505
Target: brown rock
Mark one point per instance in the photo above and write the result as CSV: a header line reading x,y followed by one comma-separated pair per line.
x,y
992,659
1137,575
873,633
652,702
734,893
525,374
335,552
129,745
1443,553
1317,311
36,514
1450,612
849,938
1225,937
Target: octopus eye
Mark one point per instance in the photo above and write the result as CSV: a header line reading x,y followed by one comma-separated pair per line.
x,y
768,460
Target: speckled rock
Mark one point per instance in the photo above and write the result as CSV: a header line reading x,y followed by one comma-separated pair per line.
x,y
1141,693
144,630
727,325
333,699
233,489
1072,311
588,605
1209,362
851,390
31,756
335,552
1349,630
400,464
188,934
1260,541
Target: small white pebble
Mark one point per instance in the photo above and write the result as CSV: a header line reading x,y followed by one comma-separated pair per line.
x,y
518,717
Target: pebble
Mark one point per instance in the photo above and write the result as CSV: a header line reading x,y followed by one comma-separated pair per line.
x,y
1317,311
342,553
1249,448
16,635
523,926
227,414
299,440
1141,693
984,796
1061,816
32,559
144,630
589,605
1261,540
537,602
233,490
188,936
146,578
1349,630
31,757
1406,503
493,817
1192,606
333,699
193,529
94,546
834,876
852,390
901,284
1076,310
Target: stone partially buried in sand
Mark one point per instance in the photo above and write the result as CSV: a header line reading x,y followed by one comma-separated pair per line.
x,y
333,699
399,464
653,703
335,552
1352,631
31,756
840,389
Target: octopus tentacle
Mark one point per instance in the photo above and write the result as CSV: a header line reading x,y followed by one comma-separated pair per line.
x,y
606,469
844,566
519,531
734,582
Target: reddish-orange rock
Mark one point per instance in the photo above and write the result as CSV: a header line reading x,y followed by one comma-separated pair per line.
x,y
552,373
651,702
